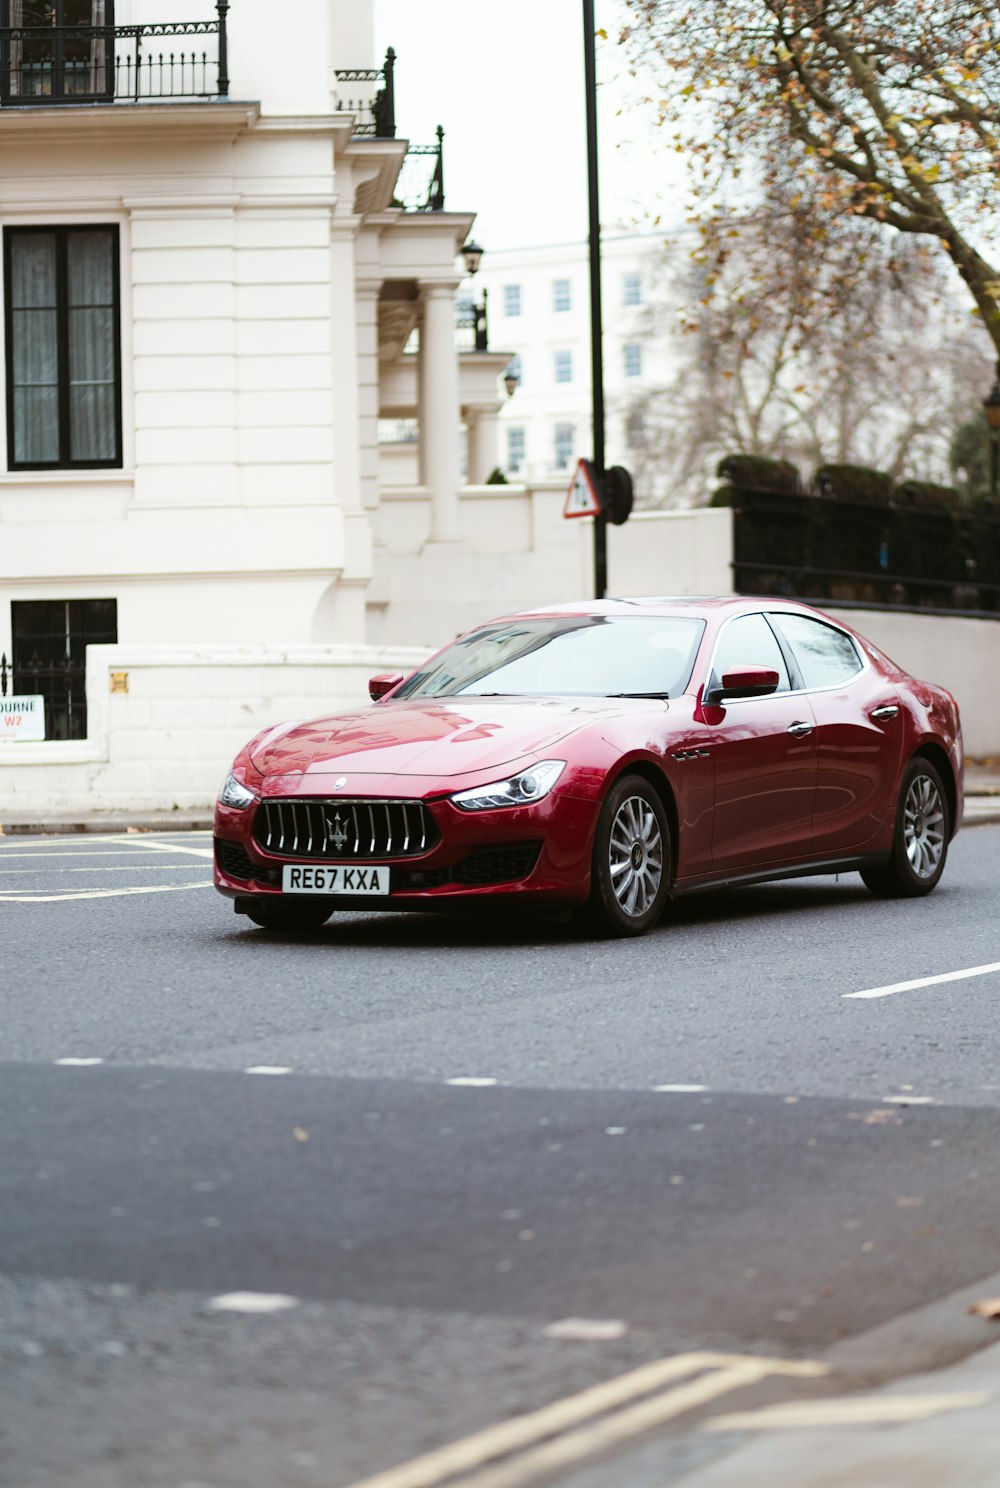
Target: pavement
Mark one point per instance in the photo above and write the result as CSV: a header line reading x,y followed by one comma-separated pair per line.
x,y
937,1430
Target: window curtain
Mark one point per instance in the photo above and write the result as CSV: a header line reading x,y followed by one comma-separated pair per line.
x,y
98,51
35,353
16,50
91,317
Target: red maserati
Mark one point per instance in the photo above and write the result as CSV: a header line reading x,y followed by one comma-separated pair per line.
x,y
606,757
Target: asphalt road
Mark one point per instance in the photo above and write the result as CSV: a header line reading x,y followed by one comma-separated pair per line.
x,y
816,1164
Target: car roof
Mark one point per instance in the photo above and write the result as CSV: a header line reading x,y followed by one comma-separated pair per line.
x,y
699,606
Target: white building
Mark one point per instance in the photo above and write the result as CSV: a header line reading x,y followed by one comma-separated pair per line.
x,y
209,283
539,307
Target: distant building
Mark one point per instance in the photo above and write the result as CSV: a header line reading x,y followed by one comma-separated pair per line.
x,y
539,307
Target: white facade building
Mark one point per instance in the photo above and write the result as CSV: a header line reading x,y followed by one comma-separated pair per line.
x,y
208,286
539,307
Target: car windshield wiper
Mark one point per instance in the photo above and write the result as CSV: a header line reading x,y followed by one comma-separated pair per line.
x,y
663,695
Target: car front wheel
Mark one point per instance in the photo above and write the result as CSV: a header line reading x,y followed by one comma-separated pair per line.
x,y
920,839
630,876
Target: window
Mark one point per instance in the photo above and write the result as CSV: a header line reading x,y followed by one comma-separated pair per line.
x,y
824,656
563,445
50,640
43,64
633,360
561,296
635,431
512,300
749,642
63,355
515,448
562,366
631,288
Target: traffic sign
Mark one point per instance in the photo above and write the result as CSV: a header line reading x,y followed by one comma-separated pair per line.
x,y
583,497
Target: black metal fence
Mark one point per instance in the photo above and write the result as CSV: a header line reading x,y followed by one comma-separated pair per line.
x,y
369,93
898,553
63,686
108,64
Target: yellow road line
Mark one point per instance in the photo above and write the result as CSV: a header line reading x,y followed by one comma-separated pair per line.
x,y
729,1372
868,1409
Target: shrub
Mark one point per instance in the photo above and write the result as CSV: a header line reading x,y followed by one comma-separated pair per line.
x,y
496,477
854,483
755,473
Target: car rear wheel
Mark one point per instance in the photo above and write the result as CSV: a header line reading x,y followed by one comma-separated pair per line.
x,y
920,838
290,916
630,876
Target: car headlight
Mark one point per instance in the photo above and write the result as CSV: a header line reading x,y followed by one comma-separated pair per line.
x,y
236,795
520,790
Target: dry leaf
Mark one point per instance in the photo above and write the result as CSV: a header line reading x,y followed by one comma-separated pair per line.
x,y
986,1307
300,1134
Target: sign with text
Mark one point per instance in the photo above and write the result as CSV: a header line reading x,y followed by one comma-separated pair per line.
x,y
22,719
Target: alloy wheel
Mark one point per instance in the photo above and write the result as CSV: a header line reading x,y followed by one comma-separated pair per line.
x,y
923,826
635,856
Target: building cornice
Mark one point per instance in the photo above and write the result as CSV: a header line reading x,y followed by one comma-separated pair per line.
x,y
63,124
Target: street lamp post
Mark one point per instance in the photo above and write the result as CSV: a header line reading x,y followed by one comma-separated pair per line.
x,y
991,408
473,255
596,328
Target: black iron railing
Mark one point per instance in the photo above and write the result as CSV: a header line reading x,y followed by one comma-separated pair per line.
x,y
114,64
420,186
368,94
63,686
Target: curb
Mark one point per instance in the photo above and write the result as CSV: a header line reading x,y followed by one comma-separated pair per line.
x,y
62,827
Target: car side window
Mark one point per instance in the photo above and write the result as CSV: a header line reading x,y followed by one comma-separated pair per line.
x,y
749,641
824,656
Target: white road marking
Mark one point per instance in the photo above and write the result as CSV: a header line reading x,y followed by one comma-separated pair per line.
x,y
868,1409
79,1061
39,898
43,857
586,1330
107,868
472,1080
680,1089
931,981
719,1373
907,1100
253,1302
180,847
268,1069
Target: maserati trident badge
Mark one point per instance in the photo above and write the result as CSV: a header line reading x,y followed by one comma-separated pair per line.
x,y
340,782
336,832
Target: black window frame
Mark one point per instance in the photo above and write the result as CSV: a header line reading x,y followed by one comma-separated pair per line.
x,y
59,94
51,658
61,233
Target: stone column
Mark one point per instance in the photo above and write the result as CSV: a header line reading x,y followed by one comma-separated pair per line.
x,y
484,435
437,400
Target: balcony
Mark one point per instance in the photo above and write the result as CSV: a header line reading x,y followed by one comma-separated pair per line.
x,y
73,64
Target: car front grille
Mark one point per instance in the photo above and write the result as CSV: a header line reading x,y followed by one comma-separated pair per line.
x,y
345,830
232,859
488,865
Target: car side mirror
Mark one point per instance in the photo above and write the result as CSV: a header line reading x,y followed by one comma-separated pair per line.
x,y
382,684
746,682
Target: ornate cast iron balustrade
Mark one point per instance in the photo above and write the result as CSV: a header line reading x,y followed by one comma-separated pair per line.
x,y
114,64
370,97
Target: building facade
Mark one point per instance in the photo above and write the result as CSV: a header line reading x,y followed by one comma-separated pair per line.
x,y
539,306
210,274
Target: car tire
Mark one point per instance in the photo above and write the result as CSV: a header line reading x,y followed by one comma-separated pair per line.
x,y
290,917
920,837
630,872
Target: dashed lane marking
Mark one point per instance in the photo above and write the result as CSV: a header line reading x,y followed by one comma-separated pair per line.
x,y
931,981
30,897
570,1430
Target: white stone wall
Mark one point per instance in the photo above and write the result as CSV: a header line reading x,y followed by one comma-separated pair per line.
x,y
166,744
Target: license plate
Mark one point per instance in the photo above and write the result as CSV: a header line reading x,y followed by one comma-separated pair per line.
x,y
335,878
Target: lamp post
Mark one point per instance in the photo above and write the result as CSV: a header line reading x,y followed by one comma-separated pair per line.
x,y
473,255
596,327
991,408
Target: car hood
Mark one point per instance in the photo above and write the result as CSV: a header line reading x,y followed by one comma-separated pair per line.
x,y
422,737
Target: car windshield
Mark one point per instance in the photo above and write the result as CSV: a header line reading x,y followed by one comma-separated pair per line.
x,y
565,655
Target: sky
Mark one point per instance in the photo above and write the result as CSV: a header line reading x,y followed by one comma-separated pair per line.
x,y
506,82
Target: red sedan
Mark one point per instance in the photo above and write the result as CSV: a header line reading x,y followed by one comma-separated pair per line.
x,y
606,757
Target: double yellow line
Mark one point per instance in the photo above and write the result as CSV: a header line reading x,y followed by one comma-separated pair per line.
x,y
569,1431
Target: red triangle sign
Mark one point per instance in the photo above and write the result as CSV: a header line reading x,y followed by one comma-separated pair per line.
x,y
582,499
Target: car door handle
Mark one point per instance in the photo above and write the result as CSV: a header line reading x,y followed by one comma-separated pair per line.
x,y
888,710
799,729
